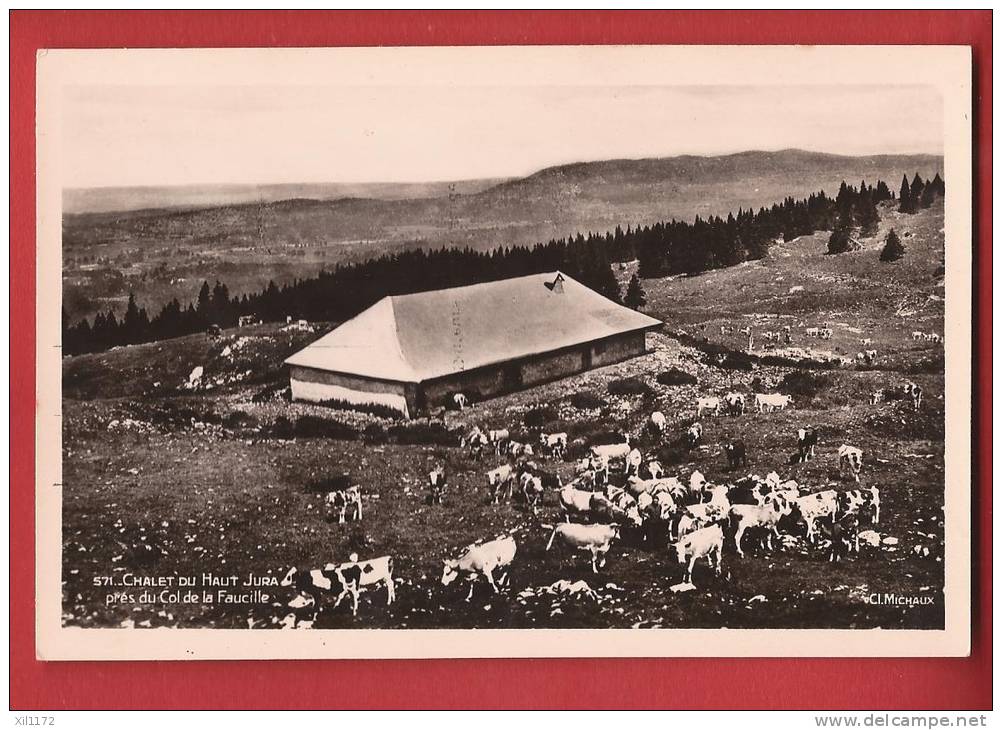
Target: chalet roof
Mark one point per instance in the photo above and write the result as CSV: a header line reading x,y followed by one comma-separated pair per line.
x,y
417,337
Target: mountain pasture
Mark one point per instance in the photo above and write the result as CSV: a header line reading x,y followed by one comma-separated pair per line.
x,y
166,474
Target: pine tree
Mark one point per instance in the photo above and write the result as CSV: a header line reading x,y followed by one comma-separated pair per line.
x,y
132,326
893,248
841,238
866,215
938,185
907,205
882,192
918,186
929,193
636,298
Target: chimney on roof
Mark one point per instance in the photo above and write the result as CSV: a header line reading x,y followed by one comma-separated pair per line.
x,y
557,287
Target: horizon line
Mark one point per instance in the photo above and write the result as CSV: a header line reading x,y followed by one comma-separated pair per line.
x,y
496,178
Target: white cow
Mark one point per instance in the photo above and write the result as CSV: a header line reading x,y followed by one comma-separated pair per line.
x,y
706,542
554,443
498,437
711,403
499,479
653,469
772,402
658,422
595,538
813,507
482,560
696,482
611,451
765,516
355,575
532,489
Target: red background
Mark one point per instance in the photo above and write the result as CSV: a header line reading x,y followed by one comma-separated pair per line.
x,y
668,683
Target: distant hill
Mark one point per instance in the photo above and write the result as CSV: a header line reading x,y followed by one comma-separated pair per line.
x,y
167,251
122,199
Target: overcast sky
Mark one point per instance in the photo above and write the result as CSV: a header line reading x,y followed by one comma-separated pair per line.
x,y
142,135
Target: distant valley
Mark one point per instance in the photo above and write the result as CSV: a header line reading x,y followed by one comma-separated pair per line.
x,y
171,239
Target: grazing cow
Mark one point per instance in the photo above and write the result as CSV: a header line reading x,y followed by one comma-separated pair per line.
x,y
436,485
598,468
688,523
865,341
460,400
918,335
771,402
735,403
825,333
482,560
812,331
696,483
765,517
596,539
659,503
633,461
855,501
658,423
914,391
476,440
355,575
814,507
574,501
870,355
499,479
706,542
611,451
652,470
807,442
340,501
934,337
637,486
693,434
844,537
498,438
312,583
554,443
532,489
582,502
849,458
736,454
516,449
711,403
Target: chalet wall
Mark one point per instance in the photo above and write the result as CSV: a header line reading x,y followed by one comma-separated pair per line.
x,y
316,386
481,383
614,349
551,367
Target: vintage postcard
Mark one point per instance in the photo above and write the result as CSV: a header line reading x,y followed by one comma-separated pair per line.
x,y
601,351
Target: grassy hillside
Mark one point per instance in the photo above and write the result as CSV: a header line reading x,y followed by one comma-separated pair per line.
x,y
162,478
161,254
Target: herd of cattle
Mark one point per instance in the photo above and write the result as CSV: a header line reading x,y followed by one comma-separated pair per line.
x,y
620,493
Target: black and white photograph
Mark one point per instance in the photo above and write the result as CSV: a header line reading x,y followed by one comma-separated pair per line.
x,y
507,339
